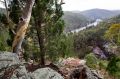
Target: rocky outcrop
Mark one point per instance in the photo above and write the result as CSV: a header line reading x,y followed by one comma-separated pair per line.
x,y
45,73
73,68
12,68
8,59
99,53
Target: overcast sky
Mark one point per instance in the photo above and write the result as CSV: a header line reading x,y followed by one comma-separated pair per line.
x,y
80,5
1,5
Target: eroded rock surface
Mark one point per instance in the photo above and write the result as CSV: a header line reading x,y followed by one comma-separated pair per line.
x,y
45,73
11,67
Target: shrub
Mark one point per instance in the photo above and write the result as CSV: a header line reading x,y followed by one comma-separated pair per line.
x,y
91,60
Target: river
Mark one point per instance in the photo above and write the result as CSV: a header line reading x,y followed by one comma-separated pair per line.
x,y
89,25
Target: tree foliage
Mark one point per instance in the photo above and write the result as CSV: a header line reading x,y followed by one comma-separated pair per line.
x,y
113,67
113,34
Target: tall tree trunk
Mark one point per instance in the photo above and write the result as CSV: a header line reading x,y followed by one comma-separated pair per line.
x,y
41,37
22,26
40,28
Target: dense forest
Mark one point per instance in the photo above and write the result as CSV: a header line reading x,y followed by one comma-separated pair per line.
x,y
36,42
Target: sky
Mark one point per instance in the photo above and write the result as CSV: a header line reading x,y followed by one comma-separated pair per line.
x,y
81,5
2,4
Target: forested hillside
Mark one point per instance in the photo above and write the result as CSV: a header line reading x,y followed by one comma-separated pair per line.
x,y
77,19
74,20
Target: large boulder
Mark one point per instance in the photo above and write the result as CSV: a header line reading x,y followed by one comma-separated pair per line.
x,y
11,67
8,59
45,73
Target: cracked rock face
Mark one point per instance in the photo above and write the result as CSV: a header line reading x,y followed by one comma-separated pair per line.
x,y
45,73
8,59
11,67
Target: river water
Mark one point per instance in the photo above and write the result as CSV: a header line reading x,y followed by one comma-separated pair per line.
x,y
89,25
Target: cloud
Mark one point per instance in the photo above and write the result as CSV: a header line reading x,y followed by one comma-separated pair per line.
x,y
2,5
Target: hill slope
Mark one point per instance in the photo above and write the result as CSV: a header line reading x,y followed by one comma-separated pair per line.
x,y
100,13
77,19
74,20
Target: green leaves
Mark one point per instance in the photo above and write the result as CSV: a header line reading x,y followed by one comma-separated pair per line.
x,y
113,67
91,60
113,34
4,36
16,11
60,46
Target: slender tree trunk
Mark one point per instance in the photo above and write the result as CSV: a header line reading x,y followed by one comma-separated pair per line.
x,y
42,43
40,28
22,26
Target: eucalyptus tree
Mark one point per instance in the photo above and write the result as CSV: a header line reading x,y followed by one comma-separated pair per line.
x,y
22,26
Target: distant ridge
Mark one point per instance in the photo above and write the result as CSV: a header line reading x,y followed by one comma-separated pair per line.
x,y
77,19
100,13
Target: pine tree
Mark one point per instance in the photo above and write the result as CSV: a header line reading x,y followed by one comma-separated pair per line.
x,y
46,14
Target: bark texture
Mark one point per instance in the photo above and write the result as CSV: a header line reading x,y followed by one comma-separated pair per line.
x,y
40,27
22,26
